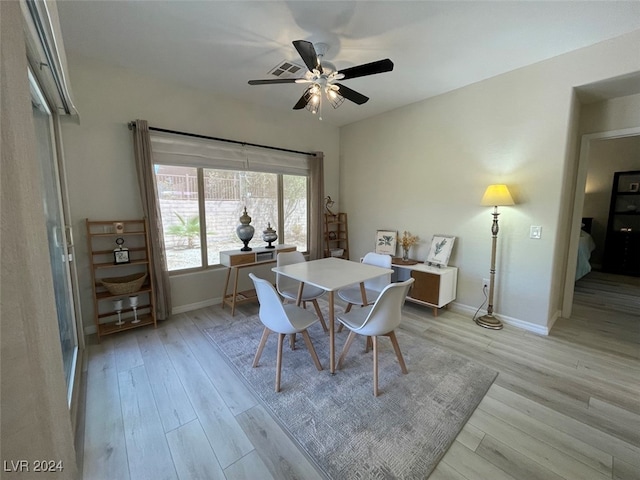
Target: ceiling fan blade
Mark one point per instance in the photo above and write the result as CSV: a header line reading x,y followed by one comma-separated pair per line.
x,y
273,80
308,54
304,99
372,68
350,94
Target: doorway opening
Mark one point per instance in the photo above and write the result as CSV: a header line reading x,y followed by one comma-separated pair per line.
x,y
606,282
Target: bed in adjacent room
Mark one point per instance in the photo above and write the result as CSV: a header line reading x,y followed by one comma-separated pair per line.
x,y
585,247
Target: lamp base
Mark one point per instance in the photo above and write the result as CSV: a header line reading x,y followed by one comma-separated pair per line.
x,y
489,321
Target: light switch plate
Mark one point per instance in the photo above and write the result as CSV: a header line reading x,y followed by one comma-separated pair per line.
x,y
535,232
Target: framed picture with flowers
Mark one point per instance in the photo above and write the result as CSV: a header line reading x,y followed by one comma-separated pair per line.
x,y
386,242
440,250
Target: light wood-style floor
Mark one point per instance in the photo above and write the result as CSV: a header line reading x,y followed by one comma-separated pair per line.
x,y
163,403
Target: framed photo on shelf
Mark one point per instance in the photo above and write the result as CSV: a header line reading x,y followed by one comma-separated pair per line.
x,y
634,187
120,254
440,250
386,242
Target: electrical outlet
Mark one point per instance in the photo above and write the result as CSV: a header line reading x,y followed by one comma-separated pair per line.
x,y
485,284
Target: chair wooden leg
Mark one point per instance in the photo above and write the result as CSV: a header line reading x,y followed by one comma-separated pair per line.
x,y
346,310
396,347
263,341
292,341
312,351
368,345
375,366
279,360
319,313
345,349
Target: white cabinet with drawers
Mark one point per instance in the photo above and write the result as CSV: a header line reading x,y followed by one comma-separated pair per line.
x,y
434,286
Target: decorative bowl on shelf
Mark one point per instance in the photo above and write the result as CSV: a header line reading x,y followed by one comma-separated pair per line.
x,y
336,252
124,285
632,208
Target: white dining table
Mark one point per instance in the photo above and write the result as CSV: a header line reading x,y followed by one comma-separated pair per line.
x,y
331,274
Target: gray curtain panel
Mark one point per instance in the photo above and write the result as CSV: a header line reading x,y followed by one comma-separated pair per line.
x,y
316,177
151,209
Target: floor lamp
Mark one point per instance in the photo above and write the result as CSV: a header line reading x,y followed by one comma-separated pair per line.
x,y
495,195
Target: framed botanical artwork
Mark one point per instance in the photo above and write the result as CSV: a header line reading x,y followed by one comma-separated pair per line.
x,y
386,242
440,250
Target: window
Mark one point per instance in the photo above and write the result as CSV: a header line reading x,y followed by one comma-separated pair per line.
x,y
179,206
60,248
201,205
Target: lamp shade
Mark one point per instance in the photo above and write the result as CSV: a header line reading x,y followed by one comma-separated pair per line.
x,y
497,195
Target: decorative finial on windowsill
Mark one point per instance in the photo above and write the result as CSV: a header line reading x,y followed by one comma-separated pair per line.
x,y
328,204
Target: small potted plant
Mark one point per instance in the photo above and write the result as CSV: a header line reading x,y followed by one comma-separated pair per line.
x,y
406,242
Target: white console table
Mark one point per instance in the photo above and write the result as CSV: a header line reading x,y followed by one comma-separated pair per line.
x,y
235,260
434,286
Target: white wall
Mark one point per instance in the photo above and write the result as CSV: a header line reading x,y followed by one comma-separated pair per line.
x,y
424,168
99,153
614,114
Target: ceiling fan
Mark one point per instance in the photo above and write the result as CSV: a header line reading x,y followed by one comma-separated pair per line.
x,y
322,77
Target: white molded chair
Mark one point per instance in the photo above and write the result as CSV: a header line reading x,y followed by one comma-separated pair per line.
x,y
375,320
283,320
288,287
353,295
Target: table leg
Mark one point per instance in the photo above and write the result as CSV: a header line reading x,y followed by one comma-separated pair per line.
x,y
226,287
292,340
235,292
332,336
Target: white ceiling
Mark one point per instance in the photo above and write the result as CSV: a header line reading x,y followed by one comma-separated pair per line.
x,y
436,46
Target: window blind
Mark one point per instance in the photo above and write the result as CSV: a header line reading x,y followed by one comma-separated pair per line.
x,y
174,149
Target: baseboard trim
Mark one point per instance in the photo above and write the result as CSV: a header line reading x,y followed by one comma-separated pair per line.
x,y
553,319
195,306
454,307
531,327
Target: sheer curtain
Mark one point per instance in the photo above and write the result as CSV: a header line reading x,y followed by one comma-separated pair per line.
x,y
151,209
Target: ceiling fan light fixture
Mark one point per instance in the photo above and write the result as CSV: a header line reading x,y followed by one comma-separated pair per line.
x,y
313,107
333,96
322,76
336,100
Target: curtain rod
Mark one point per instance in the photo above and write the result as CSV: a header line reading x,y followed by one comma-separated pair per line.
x,y
175,132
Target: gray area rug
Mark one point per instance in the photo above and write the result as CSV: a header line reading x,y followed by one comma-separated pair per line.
x,y
349,433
